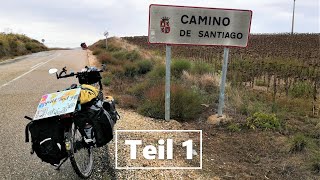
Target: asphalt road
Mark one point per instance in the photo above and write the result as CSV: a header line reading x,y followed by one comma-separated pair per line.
x,y
22,83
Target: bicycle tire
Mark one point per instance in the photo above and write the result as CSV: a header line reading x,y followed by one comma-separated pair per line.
x,y
77,145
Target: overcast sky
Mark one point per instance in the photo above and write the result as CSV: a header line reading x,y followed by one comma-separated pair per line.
x,y
67,23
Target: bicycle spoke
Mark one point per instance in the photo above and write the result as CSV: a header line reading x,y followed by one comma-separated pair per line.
x,y
82,159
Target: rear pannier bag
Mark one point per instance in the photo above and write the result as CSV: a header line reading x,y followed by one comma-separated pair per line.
x,y
47,137
101,121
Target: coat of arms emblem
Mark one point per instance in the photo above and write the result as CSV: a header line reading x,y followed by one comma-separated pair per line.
x,y
164,25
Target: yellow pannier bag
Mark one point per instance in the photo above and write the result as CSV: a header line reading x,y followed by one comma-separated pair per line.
x,y
87,93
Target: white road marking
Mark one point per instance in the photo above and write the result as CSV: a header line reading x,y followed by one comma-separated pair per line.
x,y
29,71
36,65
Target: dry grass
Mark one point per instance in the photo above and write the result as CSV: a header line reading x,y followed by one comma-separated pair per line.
x,y
207,81
119,42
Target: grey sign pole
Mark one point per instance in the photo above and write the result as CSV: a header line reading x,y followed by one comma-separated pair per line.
x,y
294,5
223,80
106,33
167,91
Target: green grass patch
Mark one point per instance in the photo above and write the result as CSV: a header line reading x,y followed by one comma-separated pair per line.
x,y
127,55
144,66
315,163
298,143
106,81
301,89
261,83
201,68
233,127
260,120
158,72
178,66
130,69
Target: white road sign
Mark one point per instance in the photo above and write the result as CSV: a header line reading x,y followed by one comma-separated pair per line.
x,y
199,26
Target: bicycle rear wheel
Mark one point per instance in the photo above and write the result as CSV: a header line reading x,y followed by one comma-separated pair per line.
x,y
81,155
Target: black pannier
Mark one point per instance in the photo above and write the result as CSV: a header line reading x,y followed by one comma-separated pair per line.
x,y
47,137
101,121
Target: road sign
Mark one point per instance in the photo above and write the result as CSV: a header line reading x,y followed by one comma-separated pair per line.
x,y
106,33
199,26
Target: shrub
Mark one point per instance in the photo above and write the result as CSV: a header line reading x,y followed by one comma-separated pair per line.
x,y
185,103
113,48
133,55
261,83
244,109
201,68
14,44
144,66
263,121
106,81
31,45
106,58
130,70
120,55
208,82
158,72
138,89
117,71
298,143
178,66
128,101
233,127
97,51
127,55
315,163
153,105
301,89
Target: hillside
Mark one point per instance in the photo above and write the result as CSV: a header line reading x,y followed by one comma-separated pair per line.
x,y
12,45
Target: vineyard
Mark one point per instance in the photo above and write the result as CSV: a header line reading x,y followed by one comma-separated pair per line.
x,y
277,63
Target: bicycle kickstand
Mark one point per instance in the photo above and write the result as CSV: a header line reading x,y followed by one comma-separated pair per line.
x,y
58,166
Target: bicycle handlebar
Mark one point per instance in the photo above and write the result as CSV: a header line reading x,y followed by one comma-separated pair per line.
x,y
72,74
79,74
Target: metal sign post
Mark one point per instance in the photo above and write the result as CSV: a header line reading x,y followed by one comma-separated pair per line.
x,y
223,80
167,90
106,33
294,6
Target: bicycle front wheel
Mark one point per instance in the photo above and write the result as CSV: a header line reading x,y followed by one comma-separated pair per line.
x,y
81,155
